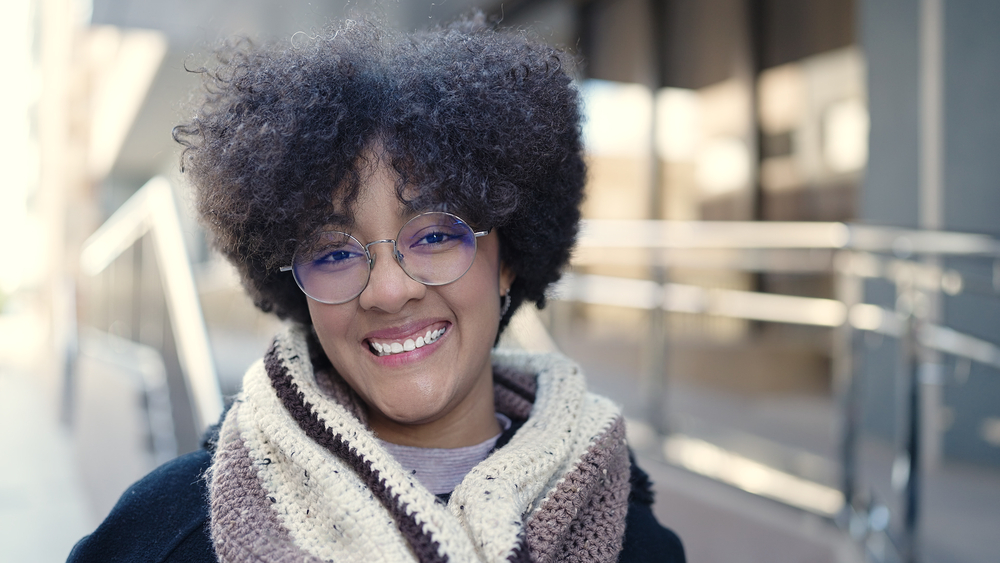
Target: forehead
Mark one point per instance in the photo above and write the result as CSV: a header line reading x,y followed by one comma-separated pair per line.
x,y
375,191
380,199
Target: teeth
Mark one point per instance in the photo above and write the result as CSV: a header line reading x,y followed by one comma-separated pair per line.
x,y
387,348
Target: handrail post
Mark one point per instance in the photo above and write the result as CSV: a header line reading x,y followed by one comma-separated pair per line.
x,y
907,468
656,357
849,291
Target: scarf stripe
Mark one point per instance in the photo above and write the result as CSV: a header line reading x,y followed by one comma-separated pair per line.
x,y
426,548
523,389
242,506
592,495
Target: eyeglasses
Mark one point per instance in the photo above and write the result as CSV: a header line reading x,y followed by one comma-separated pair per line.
x,y
434,248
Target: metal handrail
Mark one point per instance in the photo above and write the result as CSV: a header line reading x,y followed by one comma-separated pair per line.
x,y
685,298
769,307
152,209
618,233
855,243
909,259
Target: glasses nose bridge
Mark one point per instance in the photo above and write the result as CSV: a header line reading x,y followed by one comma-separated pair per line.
x,y
371,256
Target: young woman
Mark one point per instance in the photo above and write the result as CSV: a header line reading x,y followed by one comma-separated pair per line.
x,y
395,198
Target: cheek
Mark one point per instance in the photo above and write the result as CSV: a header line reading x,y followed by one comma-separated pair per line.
x,y
482,285
330,323
480,296
488,270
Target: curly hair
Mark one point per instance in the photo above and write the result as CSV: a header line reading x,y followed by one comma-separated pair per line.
x,y
478,121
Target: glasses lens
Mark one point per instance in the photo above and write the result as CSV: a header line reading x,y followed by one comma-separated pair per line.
x,y
436,248
331,268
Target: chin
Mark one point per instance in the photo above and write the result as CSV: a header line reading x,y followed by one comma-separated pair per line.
x,y
410,412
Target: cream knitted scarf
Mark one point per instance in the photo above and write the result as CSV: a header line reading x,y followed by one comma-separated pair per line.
x,y
298,476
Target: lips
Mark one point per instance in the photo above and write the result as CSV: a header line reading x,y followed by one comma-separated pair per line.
x,y
387,343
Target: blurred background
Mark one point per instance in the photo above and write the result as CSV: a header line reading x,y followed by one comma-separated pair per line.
x,y
789,275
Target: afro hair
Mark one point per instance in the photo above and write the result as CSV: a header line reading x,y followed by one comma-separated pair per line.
x,y
481,122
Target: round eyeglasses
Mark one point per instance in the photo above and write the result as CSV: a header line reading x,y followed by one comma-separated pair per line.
x,y
434,248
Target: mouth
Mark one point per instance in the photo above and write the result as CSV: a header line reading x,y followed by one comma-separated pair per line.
x,y
382,347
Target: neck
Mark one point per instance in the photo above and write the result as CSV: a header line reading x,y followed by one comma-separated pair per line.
x,y
468,426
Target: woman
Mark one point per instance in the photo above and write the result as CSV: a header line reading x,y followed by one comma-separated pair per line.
x,y
396,198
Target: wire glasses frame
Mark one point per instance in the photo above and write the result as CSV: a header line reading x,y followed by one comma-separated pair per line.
x,y
433,248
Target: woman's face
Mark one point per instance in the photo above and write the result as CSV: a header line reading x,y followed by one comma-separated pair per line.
x,y
434,395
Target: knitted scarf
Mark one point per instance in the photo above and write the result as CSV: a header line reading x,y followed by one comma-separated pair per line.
x,y
299,476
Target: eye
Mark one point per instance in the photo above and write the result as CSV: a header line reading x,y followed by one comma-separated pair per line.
x,y
336,256
336,260
434,234
435,237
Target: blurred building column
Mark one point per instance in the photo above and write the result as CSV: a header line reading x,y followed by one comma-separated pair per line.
x,y
62,136
899,38
970,201
933,164
935,129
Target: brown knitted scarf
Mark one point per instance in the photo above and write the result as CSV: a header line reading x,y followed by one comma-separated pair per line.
x,y
298,475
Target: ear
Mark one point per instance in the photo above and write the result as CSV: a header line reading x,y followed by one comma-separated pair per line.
x,y
507,277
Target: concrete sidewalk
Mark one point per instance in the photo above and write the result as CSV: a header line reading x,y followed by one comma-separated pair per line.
x,y
43,511
719,523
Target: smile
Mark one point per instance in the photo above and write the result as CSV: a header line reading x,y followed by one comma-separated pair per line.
x,y
408,345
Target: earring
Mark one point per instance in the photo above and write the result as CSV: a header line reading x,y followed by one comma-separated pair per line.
x,y
506,303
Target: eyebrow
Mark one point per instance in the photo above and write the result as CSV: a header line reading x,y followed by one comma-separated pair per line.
x,y
338,223
347,224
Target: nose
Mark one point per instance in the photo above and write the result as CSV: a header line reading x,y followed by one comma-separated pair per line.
x,y
389,289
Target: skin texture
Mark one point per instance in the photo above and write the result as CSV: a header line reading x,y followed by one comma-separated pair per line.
x,y
438,396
